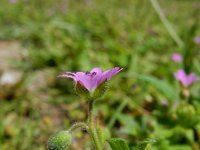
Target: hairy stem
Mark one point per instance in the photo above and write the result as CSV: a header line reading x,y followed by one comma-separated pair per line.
x,y
92,127
166,23
78,125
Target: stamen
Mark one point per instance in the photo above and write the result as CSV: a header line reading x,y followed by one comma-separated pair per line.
x,y
87,73
94,73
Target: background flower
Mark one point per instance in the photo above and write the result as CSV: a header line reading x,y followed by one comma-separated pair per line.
x,y
197,39
176,57
13,1
186,80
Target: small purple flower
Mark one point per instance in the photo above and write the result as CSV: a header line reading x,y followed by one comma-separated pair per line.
x,y
176,57
197,39
186,80
91,80
13,1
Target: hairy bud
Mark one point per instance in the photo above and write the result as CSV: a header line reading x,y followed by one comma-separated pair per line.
x,y
186,114
60,141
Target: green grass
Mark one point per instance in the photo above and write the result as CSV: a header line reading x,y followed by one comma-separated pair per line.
x,y
56,36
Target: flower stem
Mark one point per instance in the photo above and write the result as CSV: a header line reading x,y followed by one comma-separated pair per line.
x,y
78,125
92,128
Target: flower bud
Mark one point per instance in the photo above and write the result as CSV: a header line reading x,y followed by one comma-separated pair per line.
x,y
60,141
185,114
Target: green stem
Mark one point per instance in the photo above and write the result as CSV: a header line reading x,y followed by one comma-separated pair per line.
x,y
166,23
78,125
92,130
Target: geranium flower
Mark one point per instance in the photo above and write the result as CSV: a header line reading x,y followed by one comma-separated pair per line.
x,y
186,80
176,57
92,79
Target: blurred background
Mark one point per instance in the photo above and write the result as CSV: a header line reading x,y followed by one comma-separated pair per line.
x,y
42,39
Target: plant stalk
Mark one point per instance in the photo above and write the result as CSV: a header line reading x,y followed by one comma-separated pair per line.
x,y
78,125
92,127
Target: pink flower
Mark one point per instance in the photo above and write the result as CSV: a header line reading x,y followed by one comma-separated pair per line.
x,y
13,1
176,57
91,80
186,80
197,39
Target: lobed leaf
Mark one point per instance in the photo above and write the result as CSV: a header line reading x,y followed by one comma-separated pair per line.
x,y
118,144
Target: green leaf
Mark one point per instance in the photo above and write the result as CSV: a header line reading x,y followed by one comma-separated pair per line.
x,y
182,147
118,144
142,146
145,145
162,86
130,125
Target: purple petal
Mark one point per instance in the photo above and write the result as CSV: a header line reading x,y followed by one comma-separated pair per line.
x,y
68,75
91,79
97,70
85,80
96,78
181,76
107,75
191,79
185,79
